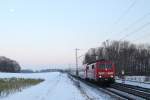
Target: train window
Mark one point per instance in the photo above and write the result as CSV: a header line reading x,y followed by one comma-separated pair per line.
x,y
92,66
87,67
103,66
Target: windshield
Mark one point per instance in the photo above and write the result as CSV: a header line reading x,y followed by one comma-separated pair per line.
x,y
103,66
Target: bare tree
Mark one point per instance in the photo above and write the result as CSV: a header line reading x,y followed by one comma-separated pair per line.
x,y
134,59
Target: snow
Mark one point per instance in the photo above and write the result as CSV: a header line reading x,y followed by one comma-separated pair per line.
x,y
141,79
93,93
56,86
135,80
133,97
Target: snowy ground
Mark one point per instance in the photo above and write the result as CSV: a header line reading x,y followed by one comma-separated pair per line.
x,y
93,93
57,86
136,83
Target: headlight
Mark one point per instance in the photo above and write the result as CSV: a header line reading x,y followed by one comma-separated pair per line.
x,y
111,76
100,76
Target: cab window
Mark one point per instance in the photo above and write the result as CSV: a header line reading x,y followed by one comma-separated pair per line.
x,y
103,66
92,66
87,67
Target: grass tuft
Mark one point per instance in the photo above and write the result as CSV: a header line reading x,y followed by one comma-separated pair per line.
x,y
11,85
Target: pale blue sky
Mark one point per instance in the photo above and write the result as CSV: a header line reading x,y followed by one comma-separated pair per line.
x,y
36,32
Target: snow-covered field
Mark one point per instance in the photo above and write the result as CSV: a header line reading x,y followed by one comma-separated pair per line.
x,y
57,86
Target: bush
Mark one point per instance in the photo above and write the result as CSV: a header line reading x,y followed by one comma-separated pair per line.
x,y
8,65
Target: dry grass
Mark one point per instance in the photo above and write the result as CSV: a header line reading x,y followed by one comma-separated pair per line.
x,y
11,85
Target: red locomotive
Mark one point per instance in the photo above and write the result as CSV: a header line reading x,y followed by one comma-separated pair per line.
x,y
100,71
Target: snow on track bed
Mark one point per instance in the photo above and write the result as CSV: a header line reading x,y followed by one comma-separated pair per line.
x,y
95,92
57,86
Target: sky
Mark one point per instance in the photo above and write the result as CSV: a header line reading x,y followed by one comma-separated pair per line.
x,y
46,32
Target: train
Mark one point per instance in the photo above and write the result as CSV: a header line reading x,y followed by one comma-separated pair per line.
x,y
101,71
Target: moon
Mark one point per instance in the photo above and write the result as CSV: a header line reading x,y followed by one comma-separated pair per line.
x,y
12,10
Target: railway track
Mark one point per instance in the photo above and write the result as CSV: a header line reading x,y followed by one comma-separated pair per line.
x,y
123,91
92,84
134,90
133,87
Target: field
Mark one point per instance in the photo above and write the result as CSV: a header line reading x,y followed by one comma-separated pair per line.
x,y
56,86
12,85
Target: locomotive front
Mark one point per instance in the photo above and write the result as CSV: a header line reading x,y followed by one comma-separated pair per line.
x,y
105,71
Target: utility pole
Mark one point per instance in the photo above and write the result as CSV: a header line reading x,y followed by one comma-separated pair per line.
x,y
76,54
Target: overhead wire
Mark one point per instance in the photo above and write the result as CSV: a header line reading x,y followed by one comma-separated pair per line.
x,y
126,11
136,30
142,37
134,23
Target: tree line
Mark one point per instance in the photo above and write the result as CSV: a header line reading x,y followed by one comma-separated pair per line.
x,y
8,65
134,59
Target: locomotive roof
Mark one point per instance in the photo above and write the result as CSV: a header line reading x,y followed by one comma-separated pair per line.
x,y
96,61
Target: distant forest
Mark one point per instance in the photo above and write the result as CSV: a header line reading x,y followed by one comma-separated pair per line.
x,y
8,65
134,59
